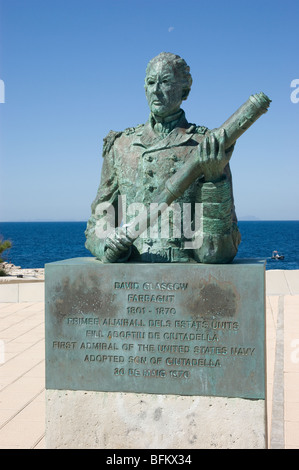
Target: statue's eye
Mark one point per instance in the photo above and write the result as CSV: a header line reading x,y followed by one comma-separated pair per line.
x,y
150,82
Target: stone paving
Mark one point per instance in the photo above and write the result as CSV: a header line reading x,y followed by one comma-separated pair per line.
x,y
22,375
22,360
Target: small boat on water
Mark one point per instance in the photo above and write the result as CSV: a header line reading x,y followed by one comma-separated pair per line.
x,y
276,255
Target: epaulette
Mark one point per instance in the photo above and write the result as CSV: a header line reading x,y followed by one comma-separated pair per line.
x,y
194,129
113,135
132,130
201,129
109,141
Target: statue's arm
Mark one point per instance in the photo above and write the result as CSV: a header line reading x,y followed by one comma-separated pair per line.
x,y
107,196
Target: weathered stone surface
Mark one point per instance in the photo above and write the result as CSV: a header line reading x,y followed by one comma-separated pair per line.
x,y
100,420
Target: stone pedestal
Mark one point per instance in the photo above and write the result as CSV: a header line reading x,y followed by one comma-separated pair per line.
x,y
155,355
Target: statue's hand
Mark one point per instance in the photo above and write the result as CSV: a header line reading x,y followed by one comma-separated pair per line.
x,y
117,246
212,156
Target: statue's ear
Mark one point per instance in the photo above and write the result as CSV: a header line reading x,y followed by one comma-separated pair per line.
x,y
185,93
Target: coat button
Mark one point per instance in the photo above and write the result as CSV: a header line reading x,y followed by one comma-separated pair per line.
x,y
151,188
172,170
150,172
174,158
149,158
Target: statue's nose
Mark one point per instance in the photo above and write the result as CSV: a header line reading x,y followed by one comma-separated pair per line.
x,y
156,87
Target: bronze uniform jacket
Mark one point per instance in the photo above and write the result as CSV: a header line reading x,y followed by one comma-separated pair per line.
x,y
136,163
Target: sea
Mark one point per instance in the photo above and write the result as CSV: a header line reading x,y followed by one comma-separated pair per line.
x,y
36,243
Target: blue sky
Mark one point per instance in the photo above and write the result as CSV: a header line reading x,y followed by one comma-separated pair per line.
x,y
74,69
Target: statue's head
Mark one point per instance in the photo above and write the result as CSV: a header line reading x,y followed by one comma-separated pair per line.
x,y
167,83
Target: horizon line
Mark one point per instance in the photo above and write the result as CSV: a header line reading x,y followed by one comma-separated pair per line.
x,y
240,219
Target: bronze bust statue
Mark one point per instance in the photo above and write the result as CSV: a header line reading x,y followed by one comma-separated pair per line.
x,y
140,162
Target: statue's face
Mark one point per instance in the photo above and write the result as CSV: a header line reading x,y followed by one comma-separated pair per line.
x,y
163,89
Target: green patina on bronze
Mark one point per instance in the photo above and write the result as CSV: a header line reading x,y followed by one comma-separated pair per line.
x,y
171,163
136,328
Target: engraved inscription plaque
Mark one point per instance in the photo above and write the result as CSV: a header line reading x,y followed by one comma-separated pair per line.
x,y
188,329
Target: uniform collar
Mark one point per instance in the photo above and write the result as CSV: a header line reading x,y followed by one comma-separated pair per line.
x,y
169,120
181,133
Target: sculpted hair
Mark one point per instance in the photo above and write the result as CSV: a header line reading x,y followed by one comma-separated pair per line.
x,y
179,65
